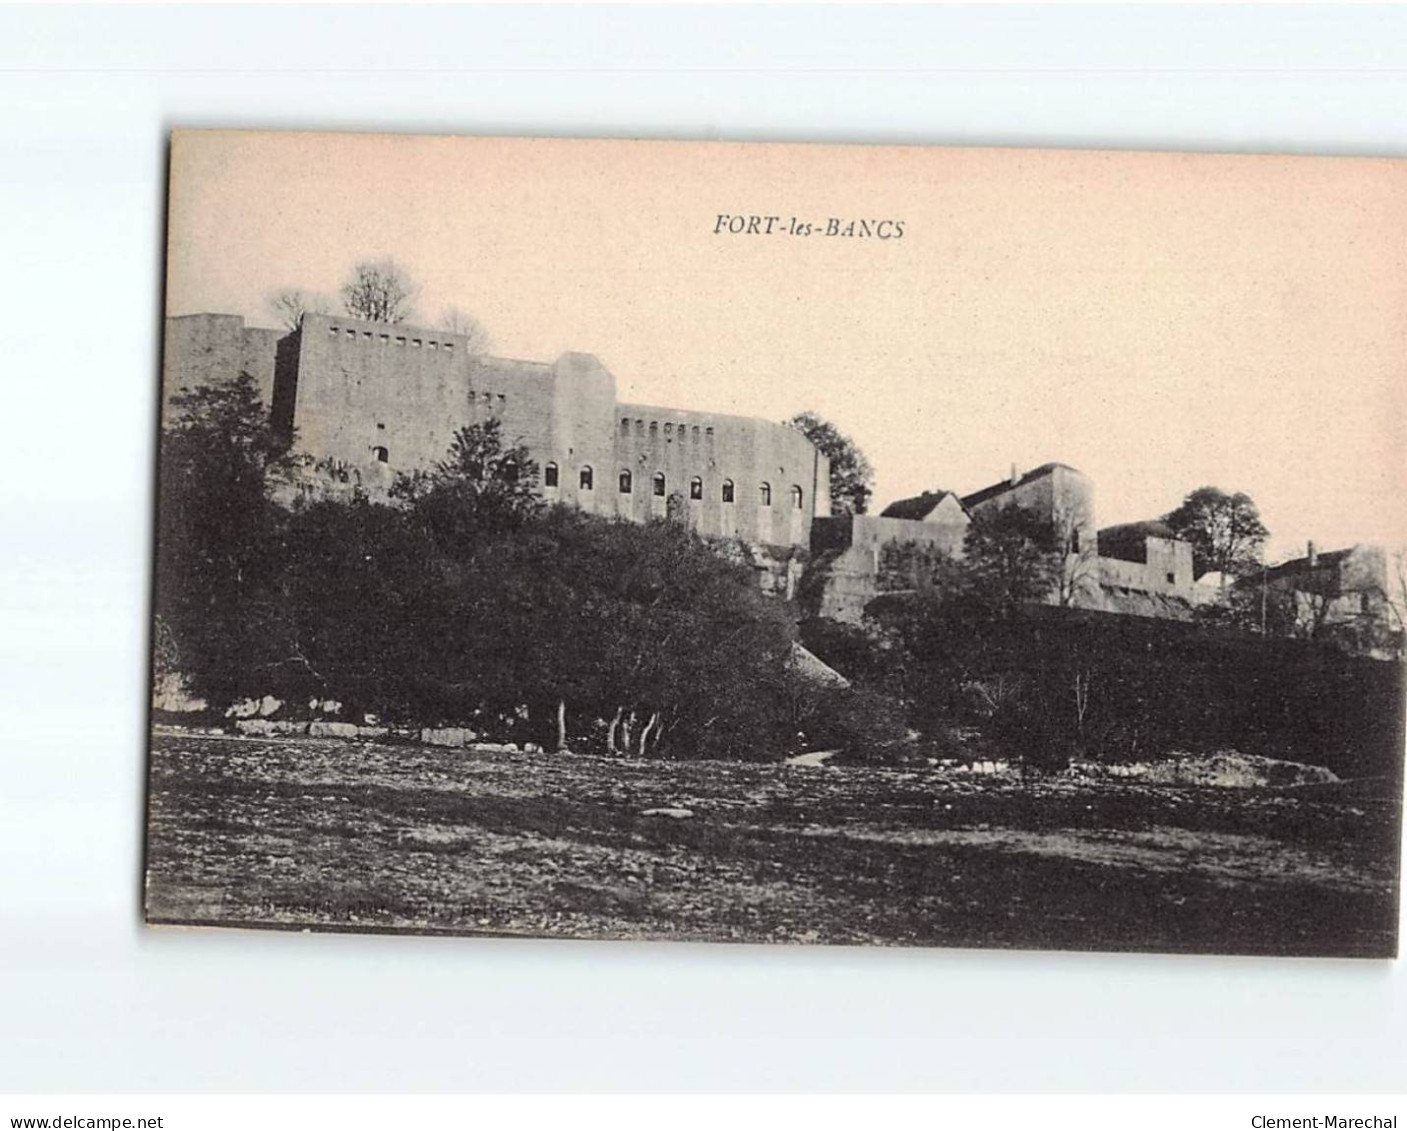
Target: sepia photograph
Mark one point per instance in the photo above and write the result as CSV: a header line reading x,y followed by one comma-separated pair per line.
x,y
780,543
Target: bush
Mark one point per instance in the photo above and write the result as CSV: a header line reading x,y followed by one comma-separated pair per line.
x,y
861,723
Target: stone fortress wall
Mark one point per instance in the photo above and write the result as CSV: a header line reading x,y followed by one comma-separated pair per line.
x,y
205,349
367,400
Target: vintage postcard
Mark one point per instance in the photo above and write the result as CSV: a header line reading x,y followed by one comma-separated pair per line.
x,y
781,543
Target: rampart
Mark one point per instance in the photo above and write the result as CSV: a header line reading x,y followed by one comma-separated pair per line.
x,y
366,400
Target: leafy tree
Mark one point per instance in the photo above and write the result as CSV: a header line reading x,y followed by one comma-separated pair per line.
x,y
465,600
851,477
1011,557
1224,529
480,487
648,629
218,533
379,292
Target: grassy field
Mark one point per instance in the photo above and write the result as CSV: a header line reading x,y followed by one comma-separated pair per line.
x,y
351,835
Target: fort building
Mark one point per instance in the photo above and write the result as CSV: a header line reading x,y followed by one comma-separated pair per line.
x,y
366,400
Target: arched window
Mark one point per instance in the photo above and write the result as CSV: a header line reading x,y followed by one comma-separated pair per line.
x,y
654,429
696,488
625,482
668,428
382,455
796,497
625,426
659,484
727,490
694,433
639,427
586,478
549,475
764,495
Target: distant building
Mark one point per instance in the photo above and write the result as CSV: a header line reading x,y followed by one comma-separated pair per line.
x,y
1341,597
1145,569
1055,492
856,548
853,549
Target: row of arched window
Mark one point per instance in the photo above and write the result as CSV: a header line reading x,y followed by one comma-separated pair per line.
x,y
659,486
671,430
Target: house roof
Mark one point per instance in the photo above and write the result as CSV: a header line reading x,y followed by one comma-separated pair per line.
x,y
1301,565
1128,541
996,489
916,506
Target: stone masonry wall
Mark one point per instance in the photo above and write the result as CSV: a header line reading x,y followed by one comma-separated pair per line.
x,y
209,349
376,399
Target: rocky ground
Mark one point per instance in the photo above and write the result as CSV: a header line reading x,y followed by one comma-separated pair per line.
x,y
359,835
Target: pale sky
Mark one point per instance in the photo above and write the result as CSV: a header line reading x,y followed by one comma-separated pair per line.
x,y
1158,321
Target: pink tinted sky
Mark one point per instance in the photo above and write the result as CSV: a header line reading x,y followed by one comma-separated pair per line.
x,y
1159,321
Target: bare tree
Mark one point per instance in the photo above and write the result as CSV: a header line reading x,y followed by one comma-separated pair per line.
x,y
1075,550
1312,602
289,304
1396,599
379,292
457,321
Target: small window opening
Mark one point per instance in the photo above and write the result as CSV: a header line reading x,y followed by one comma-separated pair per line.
x,y
587,478
696,488
400,339
1172,579
332,330
385,339
625,483
351,333
549,475
764,495
727,490
796,497
382,455
415,343
659,484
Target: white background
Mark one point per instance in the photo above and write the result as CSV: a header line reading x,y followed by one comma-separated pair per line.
x,y
91,1001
